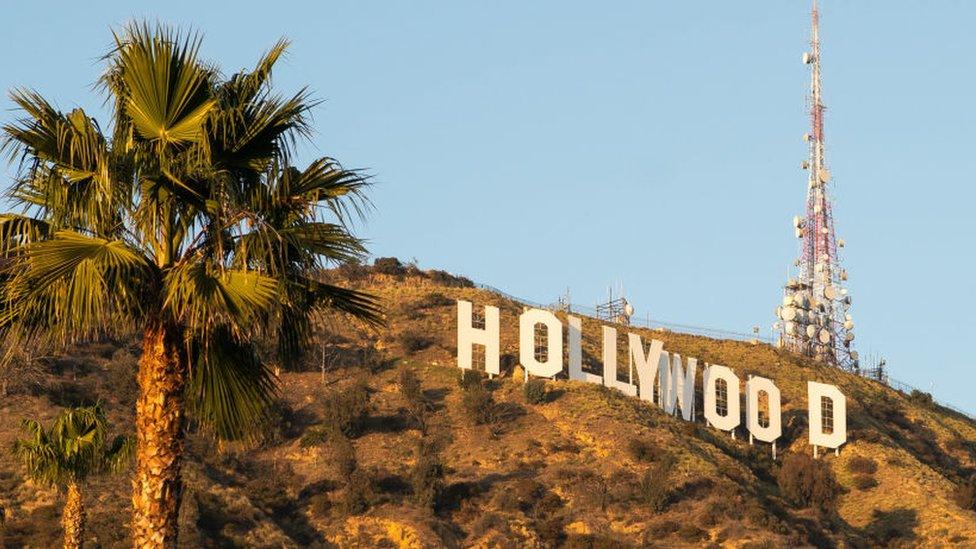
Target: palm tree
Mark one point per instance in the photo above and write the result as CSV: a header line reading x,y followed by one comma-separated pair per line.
x,y
190,221
66,453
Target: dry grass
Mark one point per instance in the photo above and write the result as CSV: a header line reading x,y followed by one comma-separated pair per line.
x,y
559,473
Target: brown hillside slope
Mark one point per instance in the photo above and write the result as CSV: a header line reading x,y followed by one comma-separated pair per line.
x,y
569,471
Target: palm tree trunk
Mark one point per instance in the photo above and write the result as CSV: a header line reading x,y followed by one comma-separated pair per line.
x,y
157,487
73,518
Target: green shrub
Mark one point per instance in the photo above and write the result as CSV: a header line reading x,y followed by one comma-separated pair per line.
x,y
965,494
445,278
343,454
358,495
344,410
427,474
864,465
643,449
654,486
433,300
478,405
418,407
469,378
690,532
807,482
353,271
534,391
413,341
864,481
920,398
388,266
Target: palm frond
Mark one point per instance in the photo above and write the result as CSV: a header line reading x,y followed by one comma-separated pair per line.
x,y
18,231
360,305
76,284
200,296
168,89
229,388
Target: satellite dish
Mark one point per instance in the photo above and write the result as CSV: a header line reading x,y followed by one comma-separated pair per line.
x,y
805,165
788,313
854,355
848,324
830,292
824,175
848,317
629,310
825,336
807,58
841,243
797,221
787,300
807,137
811,330
791,328
849,336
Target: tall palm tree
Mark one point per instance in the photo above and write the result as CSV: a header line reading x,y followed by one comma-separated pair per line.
x,y
188,220
66,453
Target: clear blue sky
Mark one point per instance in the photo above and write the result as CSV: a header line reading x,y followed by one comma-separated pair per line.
x,y
544,145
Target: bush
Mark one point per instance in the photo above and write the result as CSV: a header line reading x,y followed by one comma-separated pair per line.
x,y
690,532
358,495
353,271
654,487
418,408
121,376
920,398
445,278
343,455
807,482
388,266
860,464
427,474
965,494
345,410
864,482
478,405
644,449
469,378
433,300
413,341
534,391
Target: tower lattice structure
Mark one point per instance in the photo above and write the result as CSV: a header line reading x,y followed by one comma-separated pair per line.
x,y
814,319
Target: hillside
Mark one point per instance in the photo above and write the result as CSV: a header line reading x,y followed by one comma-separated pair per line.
x,y
569,470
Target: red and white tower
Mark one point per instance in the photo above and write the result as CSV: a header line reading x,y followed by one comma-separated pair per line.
x,y
814,319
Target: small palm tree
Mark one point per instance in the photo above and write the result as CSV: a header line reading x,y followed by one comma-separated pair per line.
x,y
189,221
64,454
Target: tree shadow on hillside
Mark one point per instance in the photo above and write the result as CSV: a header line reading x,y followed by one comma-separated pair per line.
x,y
386,423
436,396
887,527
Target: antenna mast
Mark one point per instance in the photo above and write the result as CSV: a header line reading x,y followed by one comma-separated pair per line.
x,y
814,319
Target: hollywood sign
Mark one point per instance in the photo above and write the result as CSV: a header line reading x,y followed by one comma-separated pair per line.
x,y
663,378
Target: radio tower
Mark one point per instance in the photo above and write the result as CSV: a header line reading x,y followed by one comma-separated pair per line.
x,y
814,319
